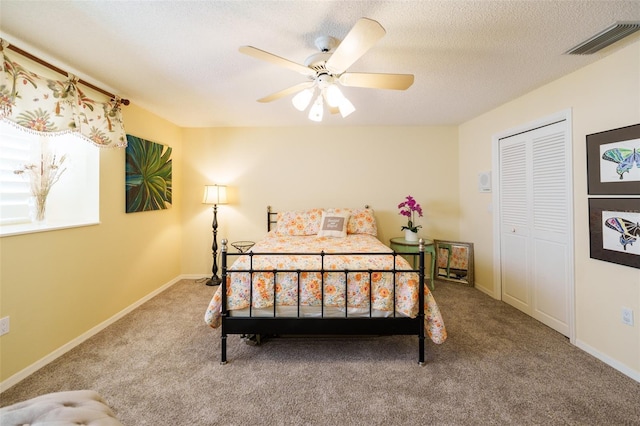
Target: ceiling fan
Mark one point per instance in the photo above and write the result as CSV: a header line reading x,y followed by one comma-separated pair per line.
x,y
324,70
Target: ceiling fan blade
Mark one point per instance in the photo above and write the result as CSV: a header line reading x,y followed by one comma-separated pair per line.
x,y
293,89
277,60
364,34
377,81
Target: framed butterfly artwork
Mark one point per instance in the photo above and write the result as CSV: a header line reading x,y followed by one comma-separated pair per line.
x,y
613,161
614,230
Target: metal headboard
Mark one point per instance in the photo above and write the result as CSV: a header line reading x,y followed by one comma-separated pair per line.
x,y
272,217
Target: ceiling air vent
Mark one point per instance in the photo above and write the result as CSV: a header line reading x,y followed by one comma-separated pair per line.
x,y
615,32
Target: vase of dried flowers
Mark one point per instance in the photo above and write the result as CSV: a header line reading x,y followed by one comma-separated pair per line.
x,y
42,176
38,209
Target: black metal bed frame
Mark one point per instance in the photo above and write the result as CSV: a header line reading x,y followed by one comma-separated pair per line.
x,y
393,325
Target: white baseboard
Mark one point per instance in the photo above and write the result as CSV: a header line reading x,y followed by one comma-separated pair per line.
x,y
635,375
22,374
627,371
486,291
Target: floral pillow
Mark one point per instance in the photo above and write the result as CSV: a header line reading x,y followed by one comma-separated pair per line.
x,y
299,222
361,221
333,225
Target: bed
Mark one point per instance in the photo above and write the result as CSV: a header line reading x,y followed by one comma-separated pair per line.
x,y
323,272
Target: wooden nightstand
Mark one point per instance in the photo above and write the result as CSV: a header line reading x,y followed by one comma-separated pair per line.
x,y
407,248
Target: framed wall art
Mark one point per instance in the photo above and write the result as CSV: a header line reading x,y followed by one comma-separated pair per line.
x,y
613,161
614,230
147,175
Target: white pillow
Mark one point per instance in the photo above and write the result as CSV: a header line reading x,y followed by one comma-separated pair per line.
x,y
333,225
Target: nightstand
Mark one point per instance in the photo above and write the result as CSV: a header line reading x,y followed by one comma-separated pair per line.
x,y
407,248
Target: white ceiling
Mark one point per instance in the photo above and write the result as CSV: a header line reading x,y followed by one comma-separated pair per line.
x,y
180,59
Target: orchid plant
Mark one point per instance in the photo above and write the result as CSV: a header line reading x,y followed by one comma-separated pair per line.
x,y
410,208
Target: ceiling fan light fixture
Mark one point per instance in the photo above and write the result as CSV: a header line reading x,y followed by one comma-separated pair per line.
x,y
316,111
346,107
302,99
330,66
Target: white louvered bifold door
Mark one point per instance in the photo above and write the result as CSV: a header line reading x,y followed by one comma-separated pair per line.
x,y
536,265
515,222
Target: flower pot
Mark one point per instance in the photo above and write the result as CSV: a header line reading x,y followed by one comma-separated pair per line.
x,y
410,235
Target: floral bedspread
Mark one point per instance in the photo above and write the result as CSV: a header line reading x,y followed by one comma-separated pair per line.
x,y
358,284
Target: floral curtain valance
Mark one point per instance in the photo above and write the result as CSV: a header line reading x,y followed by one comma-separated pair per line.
x,y
48,107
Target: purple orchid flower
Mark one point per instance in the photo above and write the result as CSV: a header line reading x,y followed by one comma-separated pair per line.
x,y
410,208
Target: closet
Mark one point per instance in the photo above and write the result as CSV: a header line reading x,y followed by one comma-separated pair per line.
x,y
535,221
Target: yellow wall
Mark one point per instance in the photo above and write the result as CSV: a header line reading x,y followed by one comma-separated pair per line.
x,y
602,96
297,168
57,285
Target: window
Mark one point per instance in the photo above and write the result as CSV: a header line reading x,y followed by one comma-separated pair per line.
x,y
73,200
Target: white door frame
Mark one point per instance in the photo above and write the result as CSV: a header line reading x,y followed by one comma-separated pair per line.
x,y
564,115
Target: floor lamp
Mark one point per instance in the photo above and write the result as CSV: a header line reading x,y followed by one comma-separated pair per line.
x,y
215,194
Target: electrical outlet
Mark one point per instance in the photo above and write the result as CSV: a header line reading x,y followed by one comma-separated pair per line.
x,y
627,316
4,325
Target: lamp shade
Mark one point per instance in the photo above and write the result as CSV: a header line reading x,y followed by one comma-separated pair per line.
x,y
333,96
345,107
316,111
215,194
301,100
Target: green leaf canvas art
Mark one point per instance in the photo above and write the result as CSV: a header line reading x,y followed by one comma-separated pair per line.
x,y
148,175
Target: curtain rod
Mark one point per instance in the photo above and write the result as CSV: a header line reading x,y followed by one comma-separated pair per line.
x,y
58,70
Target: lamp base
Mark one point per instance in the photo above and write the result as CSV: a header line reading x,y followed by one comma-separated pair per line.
x,y
214,280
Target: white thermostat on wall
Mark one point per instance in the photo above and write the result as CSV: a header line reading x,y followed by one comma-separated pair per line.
x,y
484,181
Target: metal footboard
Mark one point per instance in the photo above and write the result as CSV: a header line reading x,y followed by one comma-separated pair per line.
x,y
368,325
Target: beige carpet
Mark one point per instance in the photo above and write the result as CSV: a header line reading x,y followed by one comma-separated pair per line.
x,y
160,366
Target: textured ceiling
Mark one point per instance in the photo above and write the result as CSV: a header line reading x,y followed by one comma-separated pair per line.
x,y
180,59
